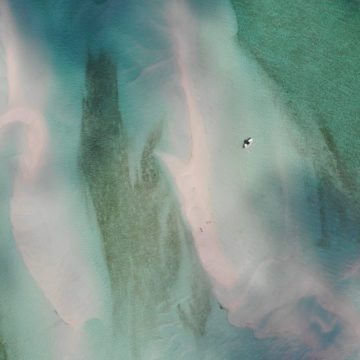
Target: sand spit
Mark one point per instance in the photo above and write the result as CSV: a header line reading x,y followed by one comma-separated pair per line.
x,y
191,177
45,235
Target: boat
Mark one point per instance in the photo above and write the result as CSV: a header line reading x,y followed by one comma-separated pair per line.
x,y
247,142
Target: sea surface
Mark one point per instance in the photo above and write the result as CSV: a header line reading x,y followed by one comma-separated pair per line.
x,y
133,224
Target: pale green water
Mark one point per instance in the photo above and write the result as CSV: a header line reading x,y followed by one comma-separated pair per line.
x,y
312,51
103,264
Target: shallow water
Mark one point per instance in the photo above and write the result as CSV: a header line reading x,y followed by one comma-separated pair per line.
x,y
132,223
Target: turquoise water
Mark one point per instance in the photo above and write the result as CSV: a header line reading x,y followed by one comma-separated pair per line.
x,y
132,223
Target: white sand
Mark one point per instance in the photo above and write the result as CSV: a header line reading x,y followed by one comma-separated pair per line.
x,y
47,236
192,177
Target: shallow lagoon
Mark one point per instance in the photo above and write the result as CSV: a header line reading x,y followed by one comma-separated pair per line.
x,y
133,224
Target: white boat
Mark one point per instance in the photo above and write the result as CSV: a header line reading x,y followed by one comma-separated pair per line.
x,y
247,142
